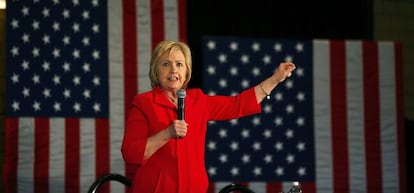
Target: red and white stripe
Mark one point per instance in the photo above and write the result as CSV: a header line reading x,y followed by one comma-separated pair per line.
x,y
358,117
68,154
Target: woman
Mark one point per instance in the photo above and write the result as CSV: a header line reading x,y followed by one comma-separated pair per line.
x,y
169,153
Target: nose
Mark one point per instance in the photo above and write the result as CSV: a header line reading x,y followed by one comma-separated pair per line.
x,y
173,68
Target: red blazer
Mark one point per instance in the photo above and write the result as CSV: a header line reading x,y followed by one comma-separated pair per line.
x,y
178,166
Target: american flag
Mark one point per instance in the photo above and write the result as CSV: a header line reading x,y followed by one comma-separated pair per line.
x,y
72,70
334,126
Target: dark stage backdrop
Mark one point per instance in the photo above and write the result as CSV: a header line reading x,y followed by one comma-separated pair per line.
x,y
276,19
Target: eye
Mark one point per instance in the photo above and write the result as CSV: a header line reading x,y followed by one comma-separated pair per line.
x,y
180,64
165,64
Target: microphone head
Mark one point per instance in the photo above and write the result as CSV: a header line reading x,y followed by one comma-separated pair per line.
x,y
181,93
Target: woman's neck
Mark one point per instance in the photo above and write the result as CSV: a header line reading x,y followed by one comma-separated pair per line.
x,y
171,95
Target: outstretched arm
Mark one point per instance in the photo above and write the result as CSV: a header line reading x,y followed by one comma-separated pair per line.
x,y
283,71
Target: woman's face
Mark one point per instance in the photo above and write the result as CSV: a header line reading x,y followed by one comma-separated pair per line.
x,y
171,70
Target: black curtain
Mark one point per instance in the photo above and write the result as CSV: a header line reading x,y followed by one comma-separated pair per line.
x,y
278,19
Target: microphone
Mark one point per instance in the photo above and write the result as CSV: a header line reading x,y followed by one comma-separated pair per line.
x,y
180,103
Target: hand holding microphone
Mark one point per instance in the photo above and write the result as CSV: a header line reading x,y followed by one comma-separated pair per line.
x,y
180,113
178,129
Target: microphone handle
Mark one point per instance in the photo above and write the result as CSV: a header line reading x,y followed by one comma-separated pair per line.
x,y
180,109
180,112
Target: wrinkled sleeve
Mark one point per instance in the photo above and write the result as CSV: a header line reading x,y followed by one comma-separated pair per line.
x,y
135,137
231,107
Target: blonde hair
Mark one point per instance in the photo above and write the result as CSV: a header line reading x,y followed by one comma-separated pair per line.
x,y
168,46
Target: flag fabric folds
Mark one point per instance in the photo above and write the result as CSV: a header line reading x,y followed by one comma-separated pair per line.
x,y
72,70
336,125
